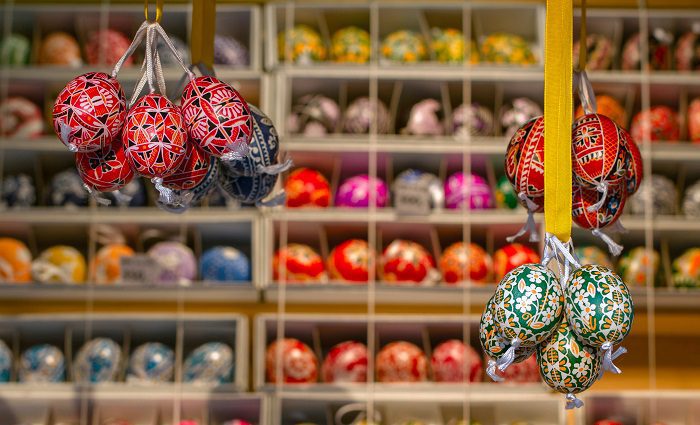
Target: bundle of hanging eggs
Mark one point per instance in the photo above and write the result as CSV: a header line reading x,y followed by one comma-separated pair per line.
x,y
179,148
606,166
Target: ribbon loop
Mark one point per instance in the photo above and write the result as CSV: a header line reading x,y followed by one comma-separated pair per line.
x,y
509,356
491,371
614,248
572,402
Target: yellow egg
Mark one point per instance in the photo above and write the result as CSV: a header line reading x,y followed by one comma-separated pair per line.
x,y
59,264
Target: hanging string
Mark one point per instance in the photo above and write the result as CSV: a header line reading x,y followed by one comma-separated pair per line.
x,y
614,248
603,189
97,196
275,169
529,225
573,402
608,357
508,357
491,371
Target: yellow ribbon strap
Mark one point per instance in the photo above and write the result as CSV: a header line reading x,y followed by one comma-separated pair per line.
x,y
159,10
203,30
557,118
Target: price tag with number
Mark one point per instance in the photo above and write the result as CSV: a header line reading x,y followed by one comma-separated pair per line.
x,y
412,199
139,269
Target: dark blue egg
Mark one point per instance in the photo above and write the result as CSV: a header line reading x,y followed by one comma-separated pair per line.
x,y
66,190
247,190
263,147
224,264
18,191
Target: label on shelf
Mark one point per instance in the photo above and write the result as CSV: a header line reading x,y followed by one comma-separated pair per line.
x,y
412,199
139,269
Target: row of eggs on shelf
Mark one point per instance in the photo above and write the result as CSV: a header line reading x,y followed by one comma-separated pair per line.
x,y
107,47
176,263
101,359
291,361
122,421
316,115
304,45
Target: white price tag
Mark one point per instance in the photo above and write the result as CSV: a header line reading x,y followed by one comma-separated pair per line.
x,y
412,200
139,269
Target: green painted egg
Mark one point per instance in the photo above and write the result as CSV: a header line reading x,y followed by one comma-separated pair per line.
x,y
505,194
447,46
503,48
528,304
591,254
493,344
15,50
686,269
566,364
404,47
301,44
633,266
350,45
598,305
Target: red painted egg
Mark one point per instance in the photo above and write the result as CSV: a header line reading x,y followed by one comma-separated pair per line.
x,y
217,117
307,188
510,257
524,164
452,359
607,214
349,261
105,172
298,263
155,136
401,361
407,262
598,153
635,170
89,112
299,363
345,362
191,172
106,47
460,259
659,123
527,371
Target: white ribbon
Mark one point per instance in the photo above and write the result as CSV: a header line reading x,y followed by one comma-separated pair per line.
x,y
96,195
608,357
603,189
529,225
563,252
491,371
65,136
572,402
275,201
614,248
509,356
275,169
122,198
585,92
238,149
177,203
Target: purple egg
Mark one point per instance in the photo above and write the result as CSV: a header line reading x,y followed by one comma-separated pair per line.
x,y
177,263
355,192
461,188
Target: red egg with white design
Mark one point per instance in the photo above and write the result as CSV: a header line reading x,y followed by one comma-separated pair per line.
x,y
635,169
598,153
299,363
106,47
524,372
659,123
105,172
407,262
345,362
452,358
349,262
462,262
307,188
217,117
298,263
89,112
606,215
20,118
155,136
524,164
511,256
191,172
401,361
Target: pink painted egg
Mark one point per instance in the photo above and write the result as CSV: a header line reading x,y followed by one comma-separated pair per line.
x,y
469,189
401,361
345,362
357,191
454,361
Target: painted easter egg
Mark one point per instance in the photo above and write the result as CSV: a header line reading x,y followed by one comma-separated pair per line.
x,y
15,261
598,151
474,119
606,215
345,362
59,264
447,46
106,47
686,269
566,363
591,254
599,307
524,371
263,147
405,262
462,262
192,170
224,264
15,50
5,362
210,363
349,261
454,361
301,44
297,263
247,190
360,113
299,363
633,266
658,123
151,362
600,51
229,51
356,192
107,170
98,360
693,118
504,48
404,46
511,256
315,115
412,178
470,190
635,170
17,191
42,363
106,267
524,163
515,113
659,45
307,188
60,48
424,119
176,263
687,53
350,45
20,118
401,361
505,195
89,112
66,190
663,193
608,106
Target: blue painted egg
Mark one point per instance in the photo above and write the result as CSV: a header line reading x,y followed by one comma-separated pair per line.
x,y
247,190
224,264
66,190
5,362
210,363
97,361
263,147
151,362
42,363
18,191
